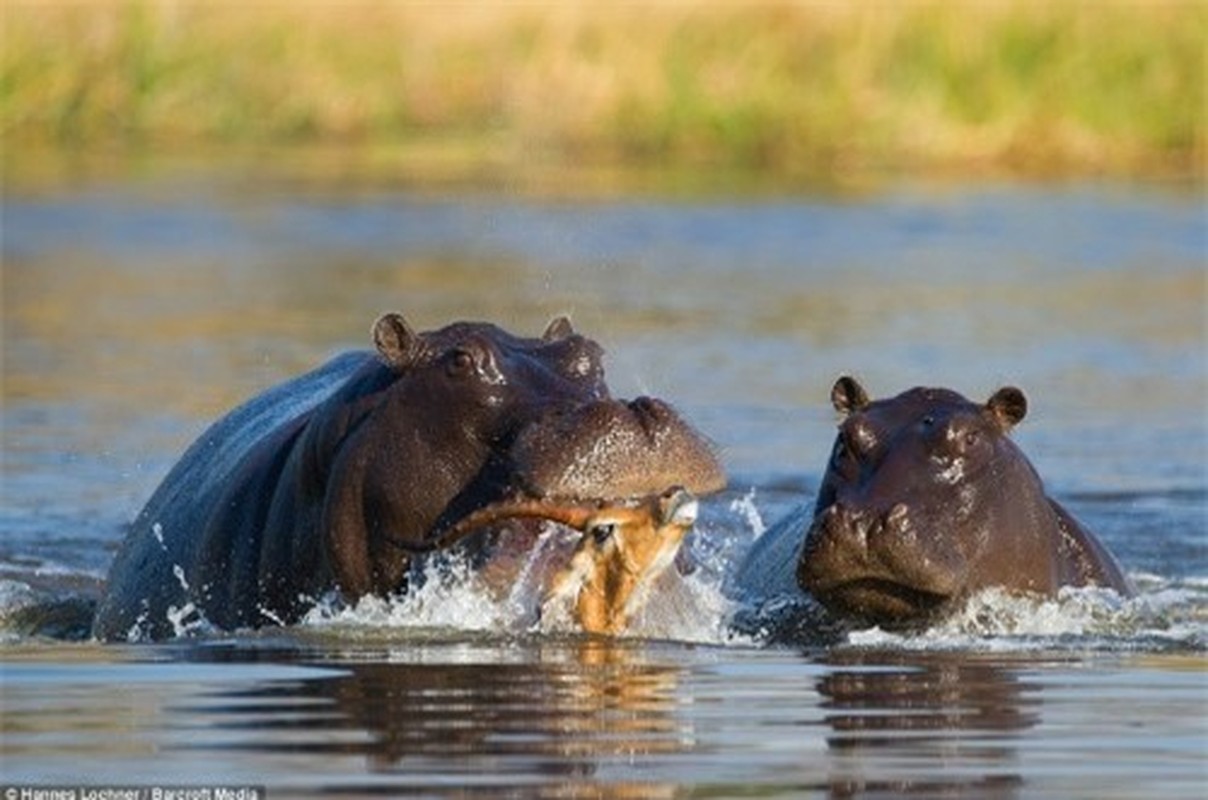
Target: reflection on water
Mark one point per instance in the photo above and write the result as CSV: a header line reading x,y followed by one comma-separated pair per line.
x,y
548,717
556,714
952,720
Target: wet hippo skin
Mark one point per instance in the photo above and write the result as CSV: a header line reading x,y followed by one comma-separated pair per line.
x,y
926,499
338,479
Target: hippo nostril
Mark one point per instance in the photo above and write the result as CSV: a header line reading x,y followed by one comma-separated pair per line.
x,y
833,516
844,518
648,407
847,524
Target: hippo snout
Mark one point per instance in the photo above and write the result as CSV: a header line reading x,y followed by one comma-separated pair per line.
x,y
868,564
836,545
614,449
849,527
652,414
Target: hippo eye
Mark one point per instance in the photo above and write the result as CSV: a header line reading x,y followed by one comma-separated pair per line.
x,y
461,362
971,438
580,366
842,449
928,421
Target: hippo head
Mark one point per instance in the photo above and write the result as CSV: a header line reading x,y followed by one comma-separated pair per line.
x,y
469,417
924,501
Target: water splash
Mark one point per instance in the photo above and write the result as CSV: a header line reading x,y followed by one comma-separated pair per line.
x,y
450,597
157,530
187,621
745,506
1163,618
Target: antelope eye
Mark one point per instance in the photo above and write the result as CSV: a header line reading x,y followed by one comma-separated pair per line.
x,y
601,532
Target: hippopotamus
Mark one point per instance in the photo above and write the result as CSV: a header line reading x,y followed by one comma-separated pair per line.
x,y
339,480
926,501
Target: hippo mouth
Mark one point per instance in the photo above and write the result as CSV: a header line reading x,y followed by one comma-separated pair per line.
x,y
601,469
870,568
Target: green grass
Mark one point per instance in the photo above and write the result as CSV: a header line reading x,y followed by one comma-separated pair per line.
x,y
1058,86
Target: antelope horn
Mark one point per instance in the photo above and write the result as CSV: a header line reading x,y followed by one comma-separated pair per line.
x,y
573,516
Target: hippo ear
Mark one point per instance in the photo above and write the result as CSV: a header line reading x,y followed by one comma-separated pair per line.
x,y
395,341
1009,407
559,328
848,396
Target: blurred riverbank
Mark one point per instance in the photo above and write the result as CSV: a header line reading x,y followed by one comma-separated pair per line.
x,y
801,90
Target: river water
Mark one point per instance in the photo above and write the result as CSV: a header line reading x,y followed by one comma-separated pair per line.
x,y
139,308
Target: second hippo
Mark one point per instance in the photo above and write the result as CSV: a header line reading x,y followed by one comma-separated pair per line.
x,y
926,501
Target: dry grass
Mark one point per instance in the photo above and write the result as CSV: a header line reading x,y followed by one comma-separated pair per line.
x,y
793,87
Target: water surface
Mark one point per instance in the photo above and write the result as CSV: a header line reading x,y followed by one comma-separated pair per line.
x,y
135,311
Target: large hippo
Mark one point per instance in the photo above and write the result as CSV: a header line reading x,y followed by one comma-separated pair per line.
x,y
339,479
925,501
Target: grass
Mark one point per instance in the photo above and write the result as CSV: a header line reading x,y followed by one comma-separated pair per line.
x,y
1030,85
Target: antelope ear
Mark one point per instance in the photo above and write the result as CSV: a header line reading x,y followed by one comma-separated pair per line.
x,y
1008,406
558,329
397,344
678,506
848,396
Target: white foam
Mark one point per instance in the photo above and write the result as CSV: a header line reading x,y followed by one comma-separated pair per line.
x,y
1081,618
188,621
452,598
15,595
48,569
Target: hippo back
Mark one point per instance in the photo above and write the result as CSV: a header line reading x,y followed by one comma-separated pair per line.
x,y
769,568
160,541
1088,562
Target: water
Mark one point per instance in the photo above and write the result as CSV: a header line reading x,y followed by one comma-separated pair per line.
x,y
138,309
